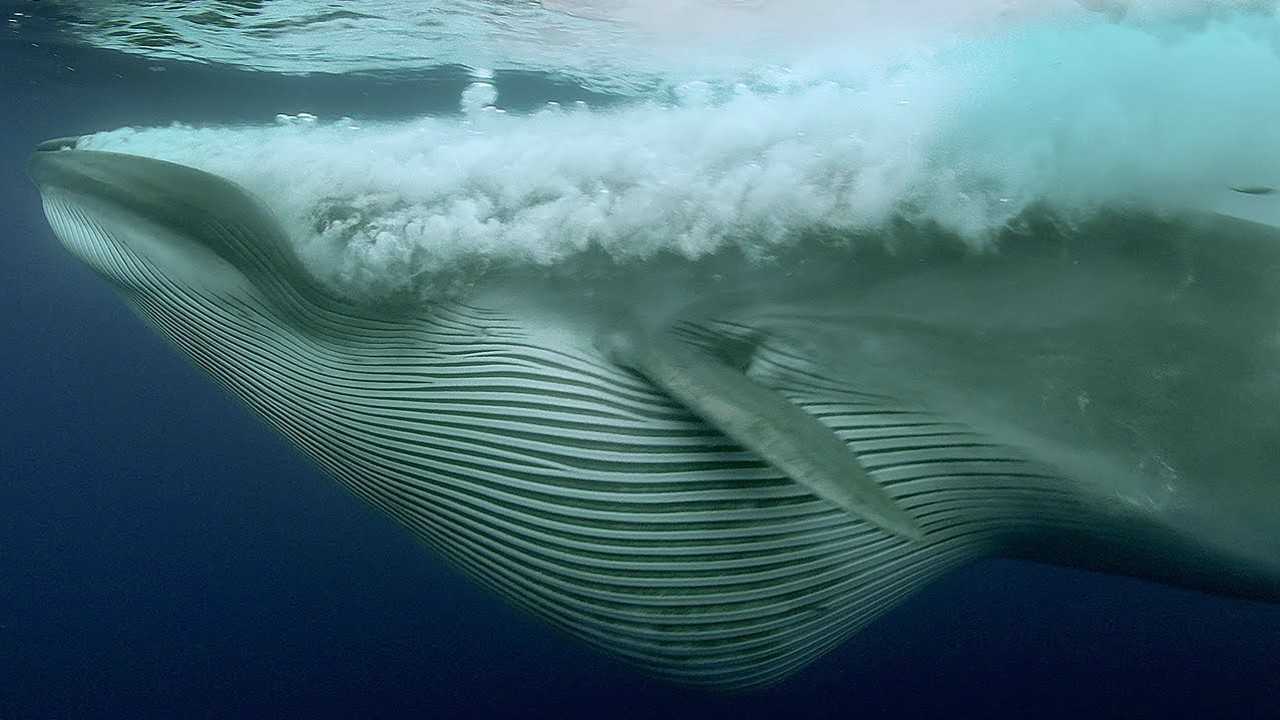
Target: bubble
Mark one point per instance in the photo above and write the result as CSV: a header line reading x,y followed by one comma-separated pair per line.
x,y
987,131
477,96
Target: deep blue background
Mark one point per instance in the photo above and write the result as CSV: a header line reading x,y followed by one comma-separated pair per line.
x,y
163,555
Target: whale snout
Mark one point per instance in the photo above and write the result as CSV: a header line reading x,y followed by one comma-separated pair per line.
x,y
150,225
59,143
48,163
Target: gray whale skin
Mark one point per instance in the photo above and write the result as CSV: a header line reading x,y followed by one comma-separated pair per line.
x,y
719,469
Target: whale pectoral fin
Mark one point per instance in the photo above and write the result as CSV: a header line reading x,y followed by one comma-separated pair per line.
x,y
763,421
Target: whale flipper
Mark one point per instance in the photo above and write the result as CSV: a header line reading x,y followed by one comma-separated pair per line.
x,y
765,422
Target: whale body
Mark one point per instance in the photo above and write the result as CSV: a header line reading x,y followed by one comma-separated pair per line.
x,y
719,481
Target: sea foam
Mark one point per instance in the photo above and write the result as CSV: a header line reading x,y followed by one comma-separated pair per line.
x,y
1073,111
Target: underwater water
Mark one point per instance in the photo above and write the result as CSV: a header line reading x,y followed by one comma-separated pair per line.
x,y
162,553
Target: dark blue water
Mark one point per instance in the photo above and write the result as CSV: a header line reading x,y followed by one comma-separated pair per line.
x,y
162,554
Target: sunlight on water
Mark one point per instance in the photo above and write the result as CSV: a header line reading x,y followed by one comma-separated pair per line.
x,y
613,45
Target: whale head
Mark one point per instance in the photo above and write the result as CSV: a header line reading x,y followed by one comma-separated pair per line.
x,y
722,495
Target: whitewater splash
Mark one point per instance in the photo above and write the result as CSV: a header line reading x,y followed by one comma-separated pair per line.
x,y
1162,111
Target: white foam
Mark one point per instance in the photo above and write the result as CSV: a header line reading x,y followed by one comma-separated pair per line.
x,y
966,135
477,96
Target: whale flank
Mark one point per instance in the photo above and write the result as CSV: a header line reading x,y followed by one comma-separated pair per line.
x,y
688,517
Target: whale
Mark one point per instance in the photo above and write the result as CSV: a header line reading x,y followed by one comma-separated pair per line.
x,y
719,469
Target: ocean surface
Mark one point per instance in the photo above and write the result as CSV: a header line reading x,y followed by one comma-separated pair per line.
x,y
164,554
